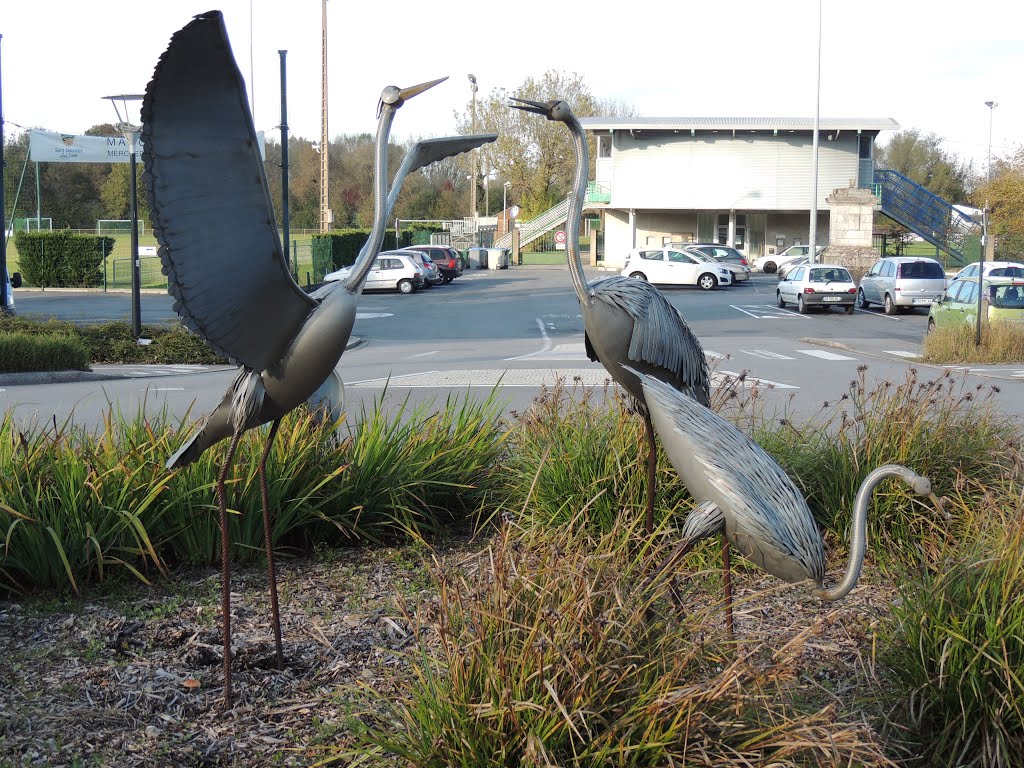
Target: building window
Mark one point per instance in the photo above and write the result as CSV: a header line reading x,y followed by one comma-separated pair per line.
x,y
604,146
865,147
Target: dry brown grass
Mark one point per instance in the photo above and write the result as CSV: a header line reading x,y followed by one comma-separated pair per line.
x,y
1001,342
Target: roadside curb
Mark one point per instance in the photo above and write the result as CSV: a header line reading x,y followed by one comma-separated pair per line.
x,y
29,378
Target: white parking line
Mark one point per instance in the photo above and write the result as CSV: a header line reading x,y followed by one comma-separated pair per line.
x,y
901,353
766,354
821,353
426,354
766,311
545,346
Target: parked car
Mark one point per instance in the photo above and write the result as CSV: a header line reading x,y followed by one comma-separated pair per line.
x,y
431,274
1003,300
817,285
768,264
447,259
902,281
727,257
992,269
784,269
10,281
671,266
391,271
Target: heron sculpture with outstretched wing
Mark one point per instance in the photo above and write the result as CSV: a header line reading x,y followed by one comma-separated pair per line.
x,y
219,244
626,322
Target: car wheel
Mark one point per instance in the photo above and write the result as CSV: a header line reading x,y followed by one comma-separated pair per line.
x,y
405,286
638,276
779,300
861,301
849,309
707,282
769,267
890,308
448,279
931,324
800,306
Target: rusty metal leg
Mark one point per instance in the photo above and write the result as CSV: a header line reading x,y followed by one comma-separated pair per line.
x,y
225,564
652,467
727,581
271,574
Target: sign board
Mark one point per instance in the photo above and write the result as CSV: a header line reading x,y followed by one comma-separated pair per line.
x,y
514,211
560,240
49,147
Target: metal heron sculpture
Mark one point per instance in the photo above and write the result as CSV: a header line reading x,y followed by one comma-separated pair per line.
x,y
213,218
745,495
628,324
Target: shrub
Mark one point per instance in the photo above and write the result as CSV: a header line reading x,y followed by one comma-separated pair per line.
x,y
1001,342
20,352
340,248
62,258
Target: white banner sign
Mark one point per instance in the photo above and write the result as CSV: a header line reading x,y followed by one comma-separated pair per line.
x,y
48,147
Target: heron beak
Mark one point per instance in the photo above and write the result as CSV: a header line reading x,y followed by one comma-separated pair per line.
x,y
537,107
415,90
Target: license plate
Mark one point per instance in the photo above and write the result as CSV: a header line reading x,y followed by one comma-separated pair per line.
x,y
922,301
831,298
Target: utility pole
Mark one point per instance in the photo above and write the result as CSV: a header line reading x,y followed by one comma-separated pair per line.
x,y
3,210
325,211
473,155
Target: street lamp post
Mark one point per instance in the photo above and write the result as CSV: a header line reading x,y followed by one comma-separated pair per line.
x,y
813,250
991,108
131,134
472,173
504,204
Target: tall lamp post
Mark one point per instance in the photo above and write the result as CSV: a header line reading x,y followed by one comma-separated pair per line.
x,y
991,108
131,134
813,251
504,204
472,173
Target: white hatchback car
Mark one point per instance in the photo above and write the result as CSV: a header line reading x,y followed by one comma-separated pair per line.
x,y
390,271
768,264
991,269
817,285
671,266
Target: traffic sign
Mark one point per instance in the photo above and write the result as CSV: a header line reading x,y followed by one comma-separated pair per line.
x,y
560,236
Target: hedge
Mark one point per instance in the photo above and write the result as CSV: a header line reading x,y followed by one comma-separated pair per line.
x,y
20,352
62,259
340,248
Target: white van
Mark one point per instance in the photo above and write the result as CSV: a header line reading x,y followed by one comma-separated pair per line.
x,y
13,282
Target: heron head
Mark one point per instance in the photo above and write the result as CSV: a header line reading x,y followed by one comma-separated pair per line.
x,y
393,96
556,109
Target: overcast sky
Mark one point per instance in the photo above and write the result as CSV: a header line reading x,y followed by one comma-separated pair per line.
x,y
929,65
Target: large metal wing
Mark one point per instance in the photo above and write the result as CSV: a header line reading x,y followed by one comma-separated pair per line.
x,y
430,151
210,205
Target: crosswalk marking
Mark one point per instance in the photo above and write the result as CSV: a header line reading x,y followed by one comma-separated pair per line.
x,y
901,353
766,354
821,353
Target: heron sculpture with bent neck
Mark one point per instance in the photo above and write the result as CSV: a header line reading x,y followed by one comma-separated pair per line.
x,y
628,324
213,218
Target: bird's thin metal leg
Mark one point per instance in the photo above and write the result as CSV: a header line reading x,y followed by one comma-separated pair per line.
x,y
652,466
271,574
727,580
225,565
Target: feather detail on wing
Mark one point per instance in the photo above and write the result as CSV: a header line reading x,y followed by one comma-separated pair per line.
x,y
209,202
661,336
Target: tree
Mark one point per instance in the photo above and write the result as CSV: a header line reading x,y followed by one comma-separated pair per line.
x,y
535,154
1004,195
920,158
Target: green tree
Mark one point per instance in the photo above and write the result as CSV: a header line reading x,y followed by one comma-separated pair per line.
x,y
1004,195
919,157
535,154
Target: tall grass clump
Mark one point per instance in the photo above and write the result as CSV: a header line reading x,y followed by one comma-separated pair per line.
x,y
23,352
938,427
956,650
548,649
1001,342
577,448
74,504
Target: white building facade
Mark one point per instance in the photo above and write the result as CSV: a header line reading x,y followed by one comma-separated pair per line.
x,y
747,182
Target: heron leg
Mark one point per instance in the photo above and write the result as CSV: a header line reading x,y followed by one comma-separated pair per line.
x,y
727,580
652,467
225,565
271,574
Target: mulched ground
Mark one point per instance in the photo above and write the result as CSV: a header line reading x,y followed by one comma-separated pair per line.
x,y
134,679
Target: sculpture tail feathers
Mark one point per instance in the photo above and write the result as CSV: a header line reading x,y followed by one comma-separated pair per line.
x,y
216,428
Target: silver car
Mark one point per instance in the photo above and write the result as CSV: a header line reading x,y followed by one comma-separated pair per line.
x,y
390,271
14,281
902,281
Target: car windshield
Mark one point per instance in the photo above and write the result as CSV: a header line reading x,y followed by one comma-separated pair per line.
x,y
700,256
921,270
1007,296
830,275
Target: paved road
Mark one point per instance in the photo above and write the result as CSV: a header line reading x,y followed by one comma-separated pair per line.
x,y
522,328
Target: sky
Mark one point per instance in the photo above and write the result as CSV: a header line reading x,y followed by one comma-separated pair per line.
x,y
928,65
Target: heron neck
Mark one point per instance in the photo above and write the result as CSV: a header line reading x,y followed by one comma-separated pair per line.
x,y
364,261
572,224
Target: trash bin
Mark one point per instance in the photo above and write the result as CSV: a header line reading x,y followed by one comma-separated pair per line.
x,y
477,257
497,258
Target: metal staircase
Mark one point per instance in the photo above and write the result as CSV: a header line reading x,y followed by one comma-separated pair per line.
x,y
536,227
925,214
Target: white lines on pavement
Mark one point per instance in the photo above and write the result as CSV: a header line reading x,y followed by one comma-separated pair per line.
x,y
545,347
748,380
426,354
901,353
575,351
821,353
766,354
372,315
166,389
766,311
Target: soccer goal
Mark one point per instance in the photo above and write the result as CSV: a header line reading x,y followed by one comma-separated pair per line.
x,y
115,227
34,224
